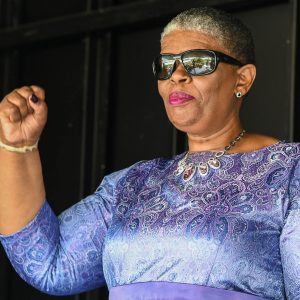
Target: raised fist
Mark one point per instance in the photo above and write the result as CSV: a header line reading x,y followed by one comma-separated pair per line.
x,y
23,115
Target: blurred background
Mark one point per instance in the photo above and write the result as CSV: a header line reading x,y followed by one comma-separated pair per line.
x,y
93,57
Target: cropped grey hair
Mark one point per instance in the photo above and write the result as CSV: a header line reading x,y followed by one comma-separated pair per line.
x,y
233,35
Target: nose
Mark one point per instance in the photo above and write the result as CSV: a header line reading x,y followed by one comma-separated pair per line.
x,y
179,74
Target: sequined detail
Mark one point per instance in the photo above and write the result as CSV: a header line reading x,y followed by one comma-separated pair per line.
x,y
214,163
189,172
203,169
235,229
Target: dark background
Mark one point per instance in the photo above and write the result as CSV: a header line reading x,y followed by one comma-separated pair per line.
x,y
94,60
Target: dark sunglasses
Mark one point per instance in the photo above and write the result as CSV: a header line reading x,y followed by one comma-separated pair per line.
x,y
196,62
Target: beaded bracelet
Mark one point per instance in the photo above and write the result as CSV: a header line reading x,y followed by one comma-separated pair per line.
x,y
19,150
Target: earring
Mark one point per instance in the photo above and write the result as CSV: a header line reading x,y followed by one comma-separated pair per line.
x,y
238,94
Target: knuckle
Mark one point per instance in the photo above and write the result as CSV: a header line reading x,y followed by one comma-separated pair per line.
x,y
17,100
24,91
11,110
4,100
37,87
39,90
13,95
20,101
6,105
24,88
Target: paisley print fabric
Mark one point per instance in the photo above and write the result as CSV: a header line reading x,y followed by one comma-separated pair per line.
x,y
237,228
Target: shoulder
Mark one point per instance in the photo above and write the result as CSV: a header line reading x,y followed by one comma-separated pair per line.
x,y
291,150
128,181
262,140
253,141
139,169
273,153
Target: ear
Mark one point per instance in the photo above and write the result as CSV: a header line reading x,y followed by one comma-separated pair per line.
x,y
246,76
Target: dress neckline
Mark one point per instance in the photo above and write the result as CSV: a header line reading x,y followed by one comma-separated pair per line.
x,y
263,149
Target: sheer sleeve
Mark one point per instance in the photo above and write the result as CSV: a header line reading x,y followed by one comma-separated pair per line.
x,y
63,255
290,239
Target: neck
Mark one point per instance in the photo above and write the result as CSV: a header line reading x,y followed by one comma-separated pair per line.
x,y
215,141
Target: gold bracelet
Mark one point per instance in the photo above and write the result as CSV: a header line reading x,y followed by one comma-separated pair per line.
x,y
19,150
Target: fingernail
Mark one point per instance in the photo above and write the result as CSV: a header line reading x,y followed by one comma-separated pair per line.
x,y
34,98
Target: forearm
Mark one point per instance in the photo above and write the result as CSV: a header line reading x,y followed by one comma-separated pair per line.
x,y
22,189
50,253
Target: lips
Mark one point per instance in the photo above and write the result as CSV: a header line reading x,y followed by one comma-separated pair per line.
x,y
177,98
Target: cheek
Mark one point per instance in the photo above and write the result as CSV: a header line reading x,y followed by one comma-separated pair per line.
x,y
203,89
211,87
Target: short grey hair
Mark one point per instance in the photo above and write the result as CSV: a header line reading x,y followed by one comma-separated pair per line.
x,y
226,28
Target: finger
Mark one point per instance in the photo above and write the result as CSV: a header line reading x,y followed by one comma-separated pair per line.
x,y
40,111
16,99
38,91
38,108
37,102
25,91
34,95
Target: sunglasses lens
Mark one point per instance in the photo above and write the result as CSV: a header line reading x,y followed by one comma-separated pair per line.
x,y
163,66
199,62
196,62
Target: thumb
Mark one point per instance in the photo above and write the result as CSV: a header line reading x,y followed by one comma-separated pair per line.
x,y
38,105
38,91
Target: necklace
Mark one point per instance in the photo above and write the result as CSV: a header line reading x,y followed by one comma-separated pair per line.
x,y
189,169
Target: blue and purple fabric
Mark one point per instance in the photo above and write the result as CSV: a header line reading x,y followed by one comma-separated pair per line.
x,y
148,234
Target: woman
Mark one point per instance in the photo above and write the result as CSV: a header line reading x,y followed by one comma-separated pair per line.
x,y
220,221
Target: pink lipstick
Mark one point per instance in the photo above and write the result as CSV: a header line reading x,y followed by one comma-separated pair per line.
x,y
177,98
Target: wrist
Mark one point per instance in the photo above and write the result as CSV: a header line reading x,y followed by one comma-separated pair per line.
x,y
18,149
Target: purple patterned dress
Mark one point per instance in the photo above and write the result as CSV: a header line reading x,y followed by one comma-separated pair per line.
x,y
148,234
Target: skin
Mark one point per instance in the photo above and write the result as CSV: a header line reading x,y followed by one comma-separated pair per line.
x,y
22,191
212,119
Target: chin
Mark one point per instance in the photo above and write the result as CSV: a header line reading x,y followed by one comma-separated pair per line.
x,y
184,125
